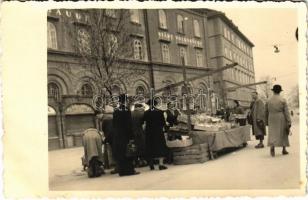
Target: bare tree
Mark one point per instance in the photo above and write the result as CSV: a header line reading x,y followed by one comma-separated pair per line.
x,y
104,46
293,97
264,90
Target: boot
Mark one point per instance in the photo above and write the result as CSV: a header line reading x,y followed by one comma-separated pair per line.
x,y
284,151
273,151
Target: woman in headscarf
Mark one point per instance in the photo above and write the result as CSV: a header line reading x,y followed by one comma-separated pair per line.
x,y
156,147
278,120
122,130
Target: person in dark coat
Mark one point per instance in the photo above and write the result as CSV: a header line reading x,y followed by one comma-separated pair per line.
x,y
257,112
139,135
122,134
278,120
156,147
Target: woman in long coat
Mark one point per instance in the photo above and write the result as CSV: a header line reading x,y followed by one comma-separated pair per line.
x,y
278,120
156,147
122,134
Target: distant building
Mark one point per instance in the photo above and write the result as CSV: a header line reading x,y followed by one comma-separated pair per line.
x,y
163,41
228,45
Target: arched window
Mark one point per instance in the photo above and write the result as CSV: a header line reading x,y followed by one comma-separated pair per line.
x,y
202,100
140,90
116,90
199,58
183,55
53,90
110,13
138,50
162,19
180,23
187,91
51,36
168,91
134,16
197,28
165,53
86,90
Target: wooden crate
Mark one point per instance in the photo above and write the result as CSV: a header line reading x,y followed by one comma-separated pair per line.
x,y
192,154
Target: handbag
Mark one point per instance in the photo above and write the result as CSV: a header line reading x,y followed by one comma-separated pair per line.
x,y
131,149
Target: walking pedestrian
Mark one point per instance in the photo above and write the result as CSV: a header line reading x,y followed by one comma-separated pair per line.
x,y
122,130
156,147
257,113
278,120
92,144
139,135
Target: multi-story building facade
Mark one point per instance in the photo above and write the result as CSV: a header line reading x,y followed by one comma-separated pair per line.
x,y
229,45
162,42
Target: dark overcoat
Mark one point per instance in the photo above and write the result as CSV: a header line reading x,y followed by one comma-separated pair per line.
x,y
258,114
122,133
155,139
139,135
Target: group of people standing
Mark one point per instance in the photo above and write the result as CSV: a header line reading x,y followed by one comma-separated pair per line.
x,y
274,114
145,127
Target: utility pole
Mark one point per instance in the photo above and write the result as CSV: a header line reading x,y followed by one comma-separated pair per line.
x,y
185,95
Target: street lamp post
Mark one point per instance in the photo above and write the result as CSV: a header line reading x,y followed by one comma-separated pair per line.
x,y
186,89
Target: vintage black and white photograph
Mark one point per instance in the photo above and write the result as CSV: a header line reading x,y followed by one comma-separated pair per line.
x,y
173,99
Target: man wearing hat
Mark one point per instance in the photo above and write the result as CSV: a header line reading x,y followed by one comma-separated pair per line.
x,y
278,121
257,113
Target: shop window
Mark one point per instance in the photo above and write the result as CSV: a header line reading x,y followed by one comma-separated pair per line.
x,y
180,23
165,53
199,58
53,91
83,38
86,90
134,16
197,28
51,36
162,19
183,55
140,91
138,50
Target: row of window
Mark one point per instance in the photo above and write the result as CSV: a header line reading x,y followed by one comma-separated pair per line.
x,y
138,50
239,76
162,18
181,23
183,55
228,34
237,58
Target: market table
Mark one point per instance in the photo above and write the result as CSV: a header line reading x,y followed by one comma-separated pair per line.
x,y
218,140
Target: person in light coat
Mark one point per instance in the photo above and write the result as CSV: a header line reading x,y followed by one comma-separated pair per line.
x,y
278,121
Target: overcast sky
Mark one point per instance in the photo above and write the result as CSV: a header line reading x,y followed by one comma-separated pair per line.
x,y
266,27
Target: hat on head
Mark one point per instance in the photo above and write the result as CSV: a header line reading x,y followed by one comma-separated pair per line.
x,y
277,88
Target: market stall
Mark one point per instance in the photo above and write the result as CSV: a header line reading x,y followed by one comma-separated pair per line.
x,y
208,136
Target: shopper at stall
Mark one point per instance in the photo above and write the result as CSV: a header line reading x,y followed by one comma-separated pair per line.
x,y
238,113
257,113
155,140
122,130
139,135
92,144
278,120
